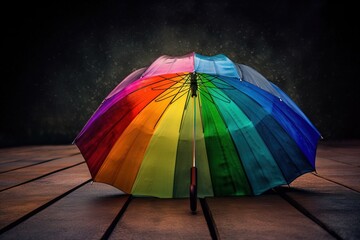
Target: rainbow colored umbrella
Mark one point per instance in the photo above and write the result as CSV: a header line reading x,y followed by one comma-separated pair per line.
x,y
237,132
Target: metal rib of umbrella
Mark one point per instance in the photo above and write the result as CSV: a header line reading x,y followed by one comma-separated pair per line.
x,y
249,135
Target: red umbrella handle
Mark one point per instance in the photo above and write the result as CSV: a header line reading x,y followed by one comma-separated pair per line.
x,y
193,189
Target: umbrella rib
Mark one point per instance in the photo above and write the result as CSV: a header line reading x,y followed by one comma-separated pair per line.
x,y
216,90
220,82
227,127
290,119
182,76
252,151
175,96
182,89
169,94
161,87
242,135
253,154
211,99
102,104
148,85
224,99
172,100
292,163
298,170
294,125
119,120
241,71
241,163
170,79
107,99
183,112
201,111
267,145
232,139
206,94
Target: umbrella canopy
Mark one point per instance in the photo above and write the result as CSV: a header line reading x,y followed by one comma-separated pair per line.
x,y
242,132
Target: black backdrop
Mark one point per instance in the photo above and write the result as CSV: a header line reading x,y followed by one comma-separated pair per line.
x,y
60,59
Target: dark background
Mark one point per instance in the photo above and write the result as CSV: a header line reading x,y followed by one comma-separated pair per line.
x,y
61,59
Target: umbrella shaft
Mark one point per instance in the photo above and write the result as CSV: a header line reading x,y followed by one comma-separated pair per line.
x,y
194,135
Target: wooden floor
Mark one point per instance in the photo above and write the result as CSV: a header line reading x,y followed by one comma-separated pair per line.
x,y
46,193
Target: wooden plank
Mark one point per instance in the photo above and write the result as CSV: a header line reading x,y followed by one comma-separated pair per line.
x,y
23,175
19,201
83,214
334,205
36,153
347,152
340,172
153,218
340,162
261,217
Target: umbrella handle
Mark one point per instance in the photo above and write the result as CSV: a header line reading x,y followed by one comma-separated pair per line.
x,y
193,189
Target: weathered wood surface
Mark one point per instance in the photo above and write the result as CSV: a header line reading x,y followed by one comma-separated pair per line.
x,y
46,193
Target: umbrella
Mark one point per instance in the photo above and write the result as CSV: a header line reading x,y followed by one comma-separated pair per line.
x,y
237,132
